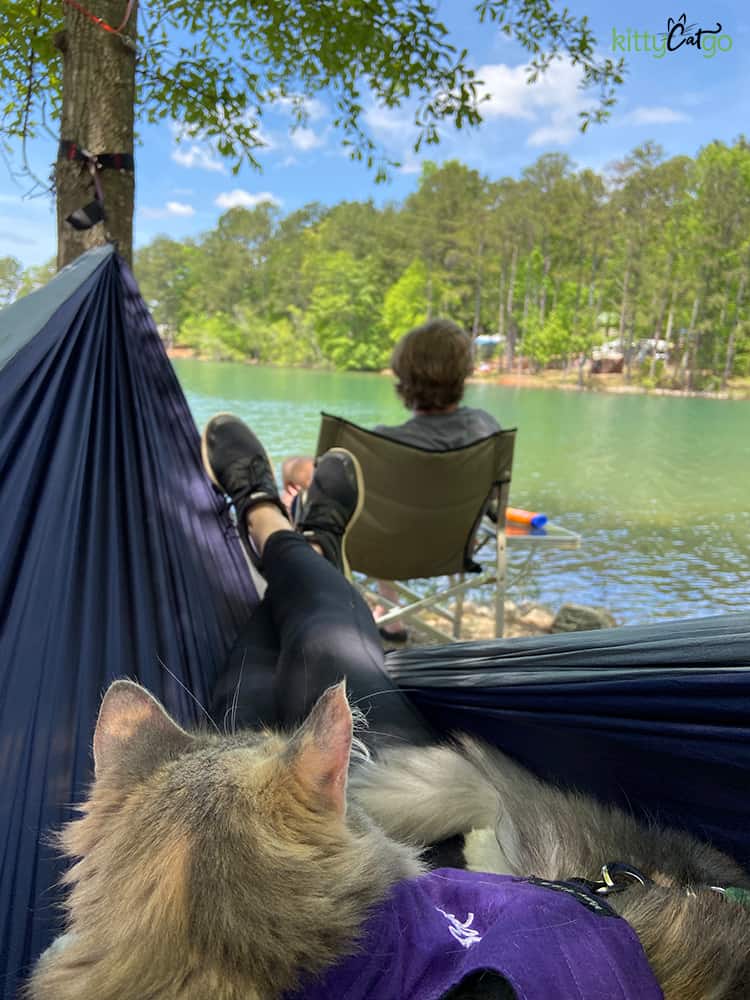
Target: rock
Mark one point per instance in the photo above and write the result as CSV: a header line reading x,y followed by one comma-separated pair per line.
x,y
512,611
580,618
538,618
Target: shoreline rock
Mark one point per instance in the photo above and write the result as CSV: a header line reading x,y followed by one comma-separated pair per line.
x,y
478,623
581,618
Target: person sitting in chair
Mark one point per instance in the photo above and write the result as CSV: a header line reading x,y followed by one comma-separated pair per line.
x,y
431,364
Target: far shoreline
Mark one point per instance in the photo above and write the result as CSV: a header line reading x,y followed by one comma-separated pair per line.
x,y
561,381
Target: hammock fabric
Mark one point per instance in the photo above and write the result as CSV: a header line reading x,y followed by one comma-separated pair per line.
x,y
118,559
654,718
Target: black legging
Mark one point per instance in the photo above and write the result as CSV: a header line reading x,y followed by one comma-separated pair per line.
x,y
311,630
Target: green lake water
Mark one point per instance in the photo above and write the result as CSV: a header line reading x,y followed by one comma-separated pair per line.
x,y
658,487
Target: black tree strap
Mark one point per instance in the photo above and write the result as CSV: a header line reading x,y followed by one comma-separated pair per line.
x,y
103,161
89,215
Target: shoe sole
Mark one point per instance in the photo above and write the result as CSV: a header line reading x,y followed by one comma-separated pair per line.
x,y
357,510
252,557
204,451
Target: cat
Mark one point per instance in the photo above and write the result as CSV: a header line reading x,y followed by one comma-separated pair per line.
x,y
214,867
696,940
233,867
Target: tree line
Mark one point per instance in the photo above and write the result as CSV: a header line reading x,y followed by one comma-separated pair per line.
x,y
554,263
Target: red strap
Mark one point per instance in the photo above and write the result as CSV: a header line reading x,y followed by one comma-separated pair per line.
x,y
98,21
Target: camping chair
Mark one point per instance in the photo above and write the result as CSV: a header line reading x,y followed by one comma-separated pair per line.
x,y
420,518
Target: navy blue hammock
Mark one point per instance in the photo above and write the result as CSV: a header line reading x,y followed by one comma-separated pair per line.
x,y
117,559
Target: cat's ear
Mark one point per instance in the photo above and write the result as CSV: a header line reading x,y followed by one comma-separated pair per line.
x,y
321,748
132,719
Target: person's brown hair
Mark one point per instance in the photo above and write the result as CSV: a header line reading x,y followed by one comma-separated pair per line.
x,y
431,364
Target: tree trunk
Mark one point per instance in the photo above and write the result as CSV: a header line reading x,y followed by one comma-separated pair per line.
x,y
733,333
688,344
666,294
668,331
543,291
501,307
430,289
525,312
478,288
511,345
98,108
581,365
629,348
624,303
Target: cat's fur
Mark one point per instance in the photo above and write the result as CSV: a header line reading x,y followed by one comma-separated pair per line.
x,y
697,942
221,867
210,867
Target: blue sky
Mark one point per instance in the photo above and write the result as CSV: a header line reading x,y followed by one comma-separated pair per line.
x,y
682,101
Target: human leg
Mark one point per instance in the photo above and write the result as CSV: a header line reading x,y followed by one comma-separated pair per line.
x,y
326,633
296,476
392,631
244,696
324,629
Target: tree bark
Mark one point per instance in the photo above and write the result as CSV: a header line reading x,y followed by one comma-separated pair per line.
x,y
98,110
624,303
478,288
543,290
666,293
501,307
525,312
511,343
729,361
430,289
629,347
688,346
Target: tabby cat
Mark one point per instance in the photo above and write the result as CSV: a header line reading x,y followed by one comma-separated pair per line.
x,y
214,867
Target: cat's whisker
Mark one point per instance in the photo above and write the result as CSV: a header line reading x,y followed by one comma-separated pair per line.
x,y
236,697
377,694
226,717
390,736
189,693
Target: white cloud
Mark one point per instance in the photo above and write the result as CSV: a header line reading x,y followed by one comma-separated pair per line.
x,y
305,139
553,102
179,208
509,95
239,198
550,106
312,109
410,166
198,155
390,123
655,116
170,209
553,135
266,140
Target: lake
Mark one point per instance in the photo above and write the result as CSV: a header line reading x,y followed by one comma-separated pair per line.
x,y
659,487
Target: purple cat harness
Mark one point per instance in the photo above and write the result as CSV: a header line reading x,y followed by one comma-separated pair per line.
x,y
548,939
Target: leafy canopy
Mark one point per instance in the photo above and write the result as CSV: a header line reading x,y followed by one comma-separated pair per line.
x,y
214,67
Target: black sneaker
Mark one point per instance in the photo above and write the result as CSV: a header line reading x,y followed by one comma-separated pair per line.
x,y
331,504
237,464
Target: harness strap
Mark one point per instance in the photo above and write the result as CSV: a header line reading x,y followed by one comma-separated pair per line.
x,y
102,161
93,212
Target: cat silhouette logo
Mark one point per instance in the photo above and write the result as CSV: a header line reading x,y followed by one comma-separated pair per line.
x,y
464,933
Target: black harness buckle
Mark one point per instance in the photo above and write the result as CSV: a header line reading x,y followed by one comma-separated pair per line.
x,y
615,877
